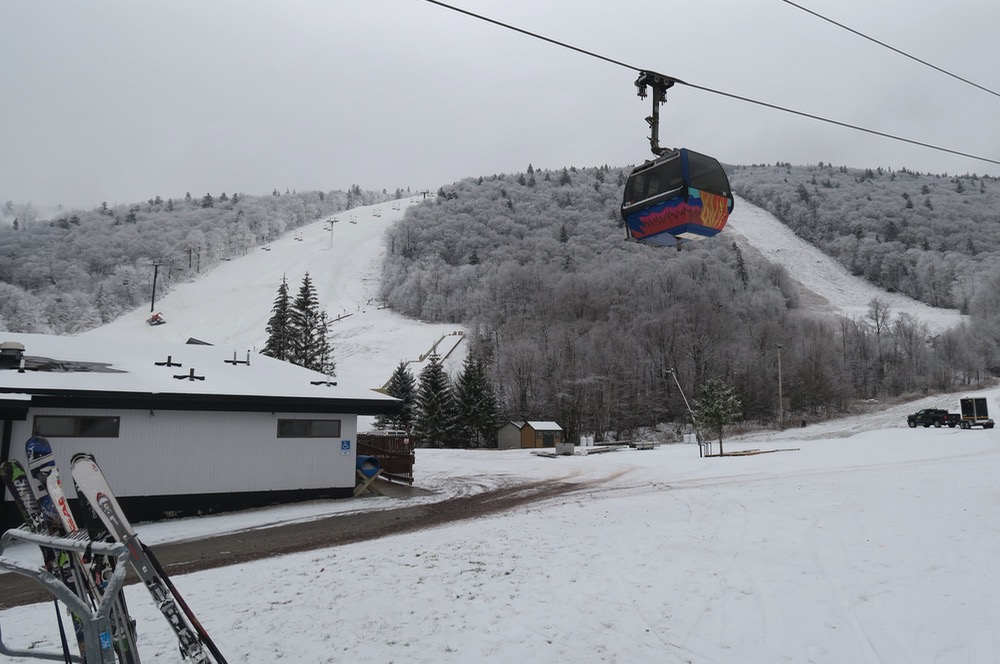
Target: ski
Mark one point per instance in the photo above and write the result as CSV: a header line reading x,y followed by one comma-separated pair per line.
x,y
57,563
92,486
98,571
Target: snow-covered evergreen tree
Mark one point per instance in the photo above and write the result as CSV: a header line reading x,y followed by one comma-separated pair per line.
x,y
310,344
323,352
718,407
435,422
279,331
478,408
402,386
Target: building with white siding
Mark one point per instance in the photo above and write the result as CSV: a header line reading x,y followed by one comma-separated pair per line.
x,y
182,429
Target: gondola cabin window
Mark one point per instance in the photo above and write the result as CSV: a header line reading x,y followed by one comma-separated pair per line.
x,y
707,175
65,426
308,428
661,177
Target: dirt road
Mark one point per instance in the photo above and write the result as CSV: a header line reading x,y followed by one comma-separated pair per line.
x,y
230,549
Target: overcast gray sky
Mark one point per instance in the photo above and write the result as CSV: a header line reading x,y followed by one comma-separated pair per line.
x,y
120,101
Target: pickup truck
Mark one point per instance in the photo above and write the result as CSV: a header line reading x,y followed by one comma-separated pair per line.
x,y
933,416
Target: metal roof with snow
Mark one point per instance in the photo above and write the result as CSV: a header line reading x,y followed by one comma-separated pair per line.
x,y
95,373
544,426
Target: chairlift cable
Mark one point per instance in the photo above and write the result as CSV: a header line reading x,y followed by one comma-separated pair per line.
x,y
748,100
508,26
893,48
846,125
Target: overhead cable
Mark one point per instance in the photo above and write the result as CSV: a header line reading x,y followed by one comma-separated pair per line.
x,y
893,49
748,100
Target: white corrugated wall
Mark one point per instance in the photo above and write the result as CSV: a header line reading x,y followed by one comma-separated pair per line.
x,y
163,452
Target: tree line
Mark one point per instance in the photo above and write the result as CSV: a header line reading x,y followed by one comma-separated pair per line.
x,y
439,412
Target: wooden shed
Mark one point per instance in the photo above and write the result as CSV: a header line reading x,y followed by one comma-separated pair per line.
x,y
509,436
529,435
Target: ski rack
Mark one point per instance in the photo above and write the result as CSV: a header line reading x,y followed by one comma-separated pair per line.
x,y
96,622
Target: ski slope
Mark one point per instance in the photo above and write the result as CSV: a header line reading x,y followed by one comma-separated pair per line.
x,y
230,305
828,285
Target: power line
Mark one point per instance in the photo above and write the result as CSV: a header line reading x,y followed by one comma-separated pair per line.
x,y
893,49
748,100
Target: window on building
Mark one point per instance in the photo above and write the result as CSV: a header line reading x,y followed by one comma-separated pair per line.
x,y
308,428
69,426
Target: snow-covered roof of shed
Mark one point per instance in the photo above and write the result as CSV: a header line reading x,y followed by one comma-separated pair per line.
x,y
544,426
70,364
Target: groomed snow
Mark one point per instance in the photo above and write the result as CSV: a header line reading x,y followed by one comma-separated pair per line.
x,y
830,286
860,541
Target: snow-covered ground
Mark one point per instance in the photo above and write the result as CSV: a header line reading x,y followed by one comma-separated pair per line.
x,y
874,547
861,540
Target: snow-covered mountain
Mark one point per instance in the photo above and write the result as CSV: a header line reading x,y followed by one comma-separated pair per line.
x,y
855,540
230,305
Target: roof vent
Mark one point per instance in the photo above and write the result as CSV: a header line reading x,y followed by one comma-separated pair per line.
x,y
11,354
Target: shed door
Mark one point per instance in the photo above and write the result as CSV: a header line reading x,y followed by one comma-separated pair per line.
x,y
548,439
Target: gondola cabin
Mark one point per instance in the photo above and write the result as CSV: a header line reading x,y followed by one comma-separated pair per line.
x,y
680,196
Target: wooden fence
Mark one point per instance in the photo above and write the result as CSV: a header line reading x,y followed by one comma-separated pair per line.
x,y
394,451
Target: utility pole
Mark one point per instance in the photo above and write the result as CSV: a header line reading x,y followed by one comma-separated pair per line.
x,y
781,401
156,271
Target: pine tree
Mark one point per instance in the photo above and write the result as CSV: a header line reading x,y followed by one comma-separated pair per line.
x,y
478,409
402,386
324,349
435,421
310,346
741,267
718,407
279,332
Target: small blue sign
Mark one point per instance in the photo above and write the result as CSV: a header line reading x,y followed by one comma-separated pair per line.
x,y
345,447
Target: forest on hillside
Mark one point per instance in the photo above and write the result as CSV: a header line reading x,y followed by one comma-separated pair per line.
x,y
83,268
582,327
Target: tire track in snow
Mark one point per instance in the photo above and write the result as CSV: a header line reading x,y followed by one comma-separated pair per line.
x,y
837,570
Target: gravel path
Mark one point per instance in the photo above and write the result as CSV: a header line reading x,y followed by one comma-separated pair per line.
x,y
234,548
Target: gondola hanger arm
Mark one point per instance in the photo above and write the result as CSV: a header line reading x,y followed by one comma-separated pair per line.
x,y
660,83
